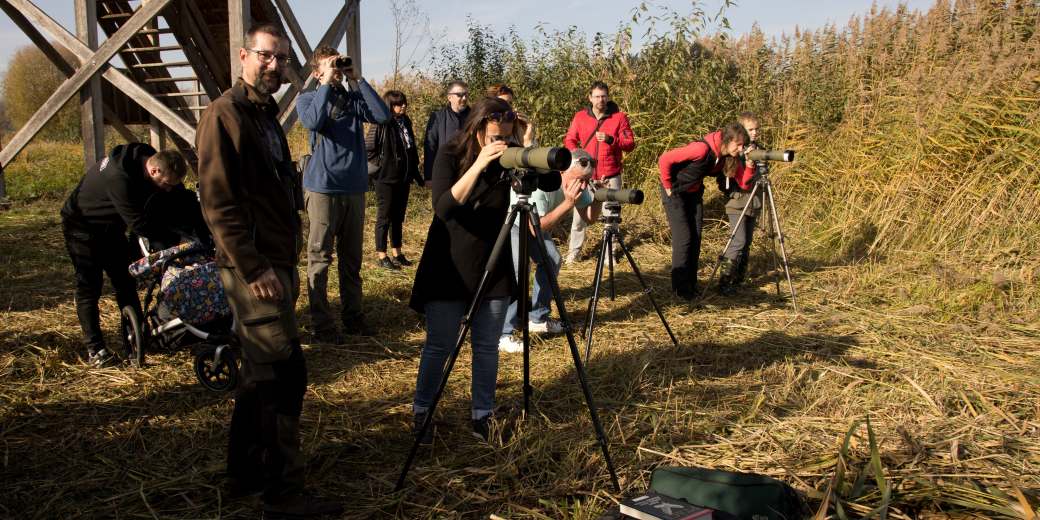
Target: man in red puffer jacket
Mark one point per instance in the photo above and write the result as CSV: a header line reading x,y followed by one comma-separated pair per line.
x,y
604,132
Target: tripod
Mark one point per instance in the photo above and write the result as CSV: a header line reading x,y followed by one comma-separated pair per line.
x,y
612,234
528,220
763,187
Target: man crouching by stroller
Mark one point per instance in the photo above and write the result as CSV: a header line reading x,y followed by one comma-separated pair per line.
x,y
132,188
249,189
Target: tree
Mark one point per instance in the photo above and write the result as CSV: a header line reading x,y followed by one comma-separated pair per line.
x,y
31,78
411,31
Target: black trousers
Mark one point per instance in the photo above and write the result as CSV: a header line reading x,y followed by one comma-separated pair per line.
x,y
685,213
97,250
391,203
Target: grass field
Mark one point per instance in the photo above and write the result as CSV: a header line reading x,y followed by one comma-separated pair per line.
x,y
950,388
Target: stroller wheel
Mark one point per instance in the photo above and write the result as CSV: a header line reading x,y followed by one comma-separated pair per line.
x,y
134,336
217,368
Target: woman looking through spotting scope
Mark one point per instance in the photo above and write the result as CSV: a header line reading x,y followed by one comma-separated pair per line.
x,y
682,194
470,202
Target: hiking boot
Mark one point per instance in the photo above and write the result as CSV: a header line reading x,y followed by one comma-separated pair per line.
x,y
101,358
402,261
549,326
301,505
507,344
482,428
357,327
727,284
417,422
740,273
387,263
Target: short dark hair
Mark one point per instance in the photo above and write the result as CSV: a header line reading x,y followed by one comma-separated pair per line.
x,y
266,28
170,162
599,85
499,89
456,83
395,98
322,52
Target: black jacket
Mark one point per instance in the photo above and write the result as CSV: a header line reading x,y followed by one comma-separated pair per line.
x,y
116,194
388,148
441,127
461,236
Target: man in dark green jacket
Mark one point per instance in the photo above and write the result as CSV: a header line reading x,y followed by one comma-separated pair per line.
x,y
249,198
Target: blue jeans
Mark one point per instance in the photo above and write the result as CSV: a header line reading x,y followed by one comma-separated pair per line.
x,y
541,289
443,322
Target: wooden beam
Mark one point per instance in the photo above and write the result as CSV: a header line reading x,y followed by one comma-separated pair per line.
x,y
92,122
353,37
295,30
156,134
59,61
239,20
287,105
66,41
93,64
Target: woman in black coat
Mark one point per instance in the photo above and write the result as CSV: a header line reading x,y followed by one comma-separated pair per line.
x,y
393,163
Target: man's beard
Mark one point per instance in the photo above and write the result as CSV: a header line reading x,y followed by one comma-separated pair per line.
x,y
270,82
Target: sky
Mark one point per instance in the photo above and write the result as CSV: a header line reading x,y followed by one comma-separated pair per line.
x,y
448,18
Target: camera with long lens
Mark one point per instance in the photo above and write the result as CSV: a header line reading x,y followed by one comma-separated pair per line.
x,y
535,168
343,62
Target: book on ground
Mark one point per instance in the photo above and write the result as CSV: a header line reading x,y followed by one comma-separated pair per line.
x,y
655,506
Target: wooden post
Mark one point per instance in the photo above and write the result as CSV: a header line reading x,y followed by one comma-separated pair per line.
x,y
92,120
353,36
156,134
239,20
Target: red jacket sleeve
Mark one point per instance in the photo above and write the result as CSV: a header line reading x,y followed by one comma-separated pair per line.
x,y
570,141
691,152
626,139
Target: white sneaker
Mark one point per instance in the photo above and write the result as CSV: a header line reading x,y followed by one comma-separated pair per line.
x,y
550,326
509,345
571,258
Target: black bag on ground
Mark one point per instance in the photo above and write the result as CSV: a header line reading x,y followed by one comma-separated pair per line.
x,y
744,495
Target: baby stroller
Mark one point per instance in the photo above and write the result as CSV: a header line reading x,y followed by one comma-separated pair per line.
x,y
184,305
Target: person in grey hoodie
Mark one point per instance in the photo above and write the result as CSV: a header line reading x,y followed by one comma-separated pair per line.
x,y
335,182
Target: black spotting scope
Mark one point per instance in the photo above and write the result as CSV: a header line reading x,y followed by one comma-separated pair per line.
x,y
543,158
771,155
626,196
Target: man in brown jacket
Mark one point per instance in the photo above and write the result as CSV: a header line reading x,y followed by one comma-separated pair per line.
x,y
249,193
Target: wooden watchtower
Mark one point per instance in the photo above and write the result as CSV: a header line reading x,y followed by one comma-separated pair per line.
x,y
176,54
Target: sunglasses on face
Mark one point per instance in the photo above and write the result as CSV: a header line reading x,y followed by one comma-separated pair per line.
x,y
501,117
585,162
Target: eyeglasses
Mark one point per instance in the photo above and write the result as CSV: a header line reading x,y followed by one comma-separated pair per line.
x,y
459,94
501,117
268,56
584,162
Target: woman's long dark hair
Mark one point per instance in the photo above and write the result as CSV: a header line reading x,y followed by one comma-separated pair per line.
x,y
465,145
730,133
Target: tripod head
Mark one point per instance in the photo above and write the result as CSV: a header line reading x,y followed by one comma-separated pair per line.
x,y
525,181
611,215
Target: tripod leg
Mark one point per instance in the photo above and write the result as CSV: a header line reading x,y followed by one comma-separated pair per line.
x,y
646,289
732,235
594,300
467,322
601,436
783,248
609,253
523,280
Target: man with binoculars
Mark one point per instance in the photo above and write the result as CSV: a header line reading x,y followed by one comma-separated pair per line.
x,y
335,181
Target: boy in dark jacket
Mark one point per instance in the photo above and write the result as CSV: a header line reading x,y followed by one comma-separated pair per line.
x,y
132,188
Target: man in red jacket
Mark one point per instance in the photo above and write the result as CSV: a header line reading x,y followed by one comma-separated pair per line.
x,y
604,132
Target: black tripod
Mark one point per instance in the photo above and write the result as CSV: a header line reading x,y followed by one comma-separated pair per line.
x,y
528,220
762,188
612,234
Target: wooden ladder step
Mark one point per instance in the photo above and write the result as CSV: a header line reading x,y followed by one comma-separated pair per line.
x,y
179,94
158,48
192,107
161,64
115,16
161,30
170,80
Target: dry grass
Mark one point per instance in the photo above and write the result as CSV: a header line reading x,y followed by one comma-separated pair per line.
x,y
951,395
